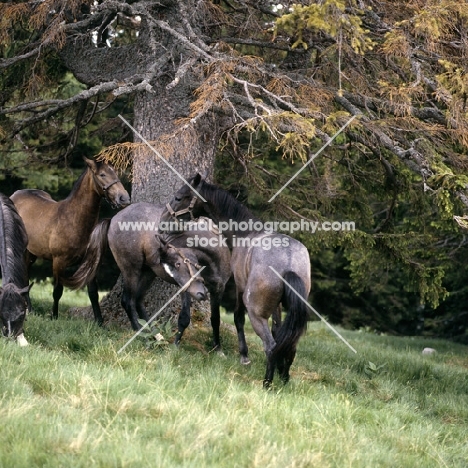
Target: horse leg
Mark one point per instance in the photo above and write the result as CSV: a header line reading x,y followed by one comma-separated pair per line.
x,y
30,259
58,265
143,285
276,321
283,370
260,325
136,282
57,294
239,321
94,299
275,326
129,304
141,309
215,321
184,317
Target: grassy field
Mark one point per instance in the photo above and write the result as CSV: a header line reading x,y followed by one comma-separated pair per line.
x,y
71,400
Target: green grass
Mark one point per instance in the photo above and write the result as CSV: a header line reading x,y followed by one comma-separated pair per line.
x,y
71,400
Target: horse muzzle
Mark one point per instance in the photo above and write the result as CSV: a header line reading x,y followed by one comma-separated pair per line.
x,y
11,329
124,200
200,296
198,291
120,202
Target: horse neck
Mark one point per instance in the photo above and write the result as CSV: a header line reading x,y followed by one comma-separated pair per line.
x,y
84,201
240,214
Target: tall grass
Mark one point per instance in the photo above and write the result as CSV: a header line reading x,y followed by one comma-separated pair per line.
x,y
71,400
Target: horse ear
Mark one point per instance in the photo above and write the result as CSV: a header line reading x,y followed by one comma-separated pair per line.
x,y
197,180
90,163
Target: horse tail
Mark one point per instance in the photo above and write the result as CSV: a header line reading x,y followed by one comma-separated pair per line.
x,y
95,249
295,323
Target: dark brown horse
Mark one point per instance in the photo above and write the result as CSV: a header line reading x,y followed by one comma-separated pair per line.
x,y
141,256
270,269
14,295
59,231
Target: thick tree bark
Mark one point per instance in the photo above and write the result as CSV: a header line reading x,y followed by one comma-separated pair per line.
x,y
188,148
187,151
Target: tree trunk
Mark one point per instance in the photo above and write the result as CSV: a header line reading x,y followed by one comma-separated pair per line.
x,y
188,151
188,148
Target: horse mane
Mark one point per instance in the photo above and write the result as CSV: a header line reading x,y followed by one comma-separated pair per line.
x,y
77,184
13,243
225,204
172,236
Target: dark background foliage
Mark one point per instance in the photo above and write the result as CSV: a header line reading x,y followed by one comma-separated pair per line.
x,y
266,84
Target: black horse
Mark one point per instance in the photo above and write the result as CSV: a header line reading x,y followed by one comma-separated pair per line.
x,y
142,254
270,270
14,295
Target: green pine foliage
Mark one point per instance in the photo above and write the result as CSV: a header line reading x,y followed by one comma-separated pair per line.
x,y
287,76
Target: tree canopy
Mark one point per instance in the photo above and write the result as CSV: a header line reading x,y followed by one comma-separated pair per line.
x,y
269,83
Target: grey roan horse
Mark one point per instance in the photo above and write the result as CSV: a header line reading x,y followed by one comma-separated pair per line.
x,y
141,256
14,295
59,231
259,288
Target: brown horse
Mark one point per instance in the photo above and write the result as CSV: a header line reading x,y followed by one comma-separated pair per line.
x,y
59,231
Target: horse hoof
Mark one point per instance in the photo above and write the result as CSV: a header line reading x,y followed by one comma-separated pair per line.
x,y
267,384
21,340
245,361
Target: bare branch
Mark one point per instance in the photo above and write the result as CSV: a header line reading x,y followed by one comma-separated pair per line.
x,y
184,40
58,105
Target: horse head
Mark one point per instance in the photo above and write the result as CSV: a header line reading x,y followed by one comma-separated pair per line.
x,y
182,266
13,309
107,183
186,204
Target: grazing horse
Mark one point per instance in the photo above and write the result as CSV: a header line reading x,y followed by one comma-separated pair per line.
x,y
269,269
141,256
14,295
59,231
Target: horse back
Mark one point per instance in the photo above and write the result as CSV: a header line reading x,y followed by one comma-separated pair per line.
x,y
262,266
33,203
39,213
30,193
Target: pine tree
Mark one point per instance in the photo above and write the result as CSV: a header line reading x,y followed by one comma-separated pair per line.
x,y
264,85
